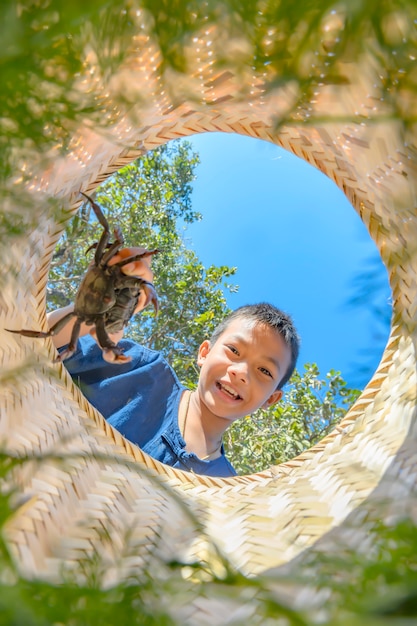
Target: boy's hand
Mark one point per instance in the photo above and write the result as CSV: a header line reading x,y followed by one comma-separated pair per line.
x,y
141,269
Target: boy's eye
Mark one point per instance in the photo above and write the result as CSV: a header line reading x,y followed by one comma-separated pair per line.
x,y
233,349
266,372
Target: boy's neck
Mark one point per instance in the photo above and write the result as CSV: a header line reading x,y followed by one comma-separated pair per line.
x,y
203,436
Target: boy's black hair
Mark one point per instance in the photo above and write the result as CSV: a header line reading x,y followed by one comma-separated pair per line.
x,y
270,315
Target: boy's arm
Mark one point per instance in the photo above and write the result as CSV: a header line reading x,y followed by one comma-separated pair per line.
x,y
63,337
141,268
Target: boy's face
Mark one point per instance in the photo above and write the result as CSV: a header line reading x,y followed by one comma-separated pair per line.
x,y
241,370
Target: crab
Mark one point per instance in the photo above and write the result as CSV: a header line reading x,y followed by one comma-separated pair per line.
x,y
106,298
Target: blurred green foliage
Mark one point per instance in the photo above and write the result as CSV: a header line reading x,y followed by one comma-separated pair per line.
x,y
340,585
49,45
46,49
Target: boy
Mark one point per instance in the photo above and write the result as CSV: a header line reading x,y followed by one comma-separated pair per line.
x,y
243,367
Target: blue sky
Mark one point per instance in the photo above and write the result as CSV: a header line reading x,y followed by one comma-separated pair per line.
x,y
296,240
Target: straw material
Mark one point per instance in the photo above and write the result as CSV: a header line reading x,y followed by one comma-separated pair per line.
x,y
92,492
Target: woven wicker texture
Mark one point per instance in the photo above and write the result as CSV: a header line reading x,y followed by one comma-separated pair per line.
x,y
94,492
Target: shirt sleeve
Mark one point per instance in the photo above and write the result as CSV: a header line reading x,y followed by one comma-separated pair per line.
x,y
140,399
87,361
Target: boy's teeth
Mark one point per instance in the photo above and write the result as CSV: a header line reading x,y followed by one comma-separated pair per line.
x,y
229,390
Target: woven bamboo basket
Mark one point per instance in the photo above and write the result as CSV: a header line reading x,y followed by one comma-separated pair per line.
x,y
87,491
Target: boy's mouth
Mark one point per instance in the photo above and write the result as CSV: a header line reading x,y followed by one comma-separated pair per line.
x,y
228,390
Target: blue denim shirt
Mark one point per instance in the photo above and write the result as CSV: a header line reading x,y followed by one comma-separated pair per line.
x,y
141,400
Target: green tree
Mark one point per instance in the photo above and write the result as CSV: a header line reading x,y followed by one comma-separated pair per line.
x,y
310,409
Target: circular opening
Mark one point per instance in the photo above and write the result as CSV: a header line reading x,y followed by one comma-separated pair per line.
x,y
300,246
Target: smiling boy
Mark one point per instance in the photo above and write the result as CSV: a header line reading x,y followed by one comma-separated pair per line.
x,y
243,367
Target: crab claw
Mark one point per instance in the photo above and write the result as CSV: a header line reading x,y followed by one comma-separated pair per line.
x,y
66,354
111,356
140,265
147,296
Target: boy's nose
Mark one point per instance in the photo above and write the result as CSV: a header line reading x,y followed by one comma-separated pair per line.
x,y
240,371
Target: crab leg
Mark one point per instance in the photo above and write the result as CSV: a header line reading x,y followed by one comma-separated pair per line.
x,y
111,352
50,333
101,258
136,257
72,344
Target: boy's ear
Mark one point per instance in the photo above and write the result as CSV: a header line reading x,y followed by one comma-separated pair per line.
x,y
203,351
273,399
